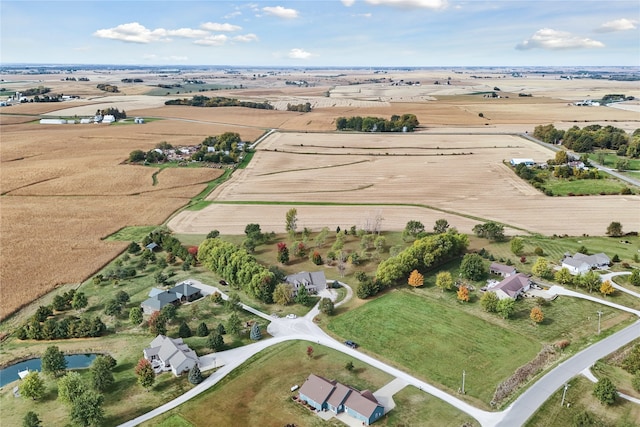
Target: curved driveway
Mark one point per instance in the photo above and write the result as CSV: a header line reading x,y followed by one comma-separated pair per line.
x,y
304,328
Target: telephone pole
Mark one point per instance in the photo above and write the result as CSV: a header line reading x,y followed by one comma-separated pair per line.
x,y
463,375
599,316
564,393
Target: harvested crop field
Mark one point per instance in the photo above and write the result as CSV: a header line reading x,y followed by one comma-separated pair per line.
x,y
65,188
457,173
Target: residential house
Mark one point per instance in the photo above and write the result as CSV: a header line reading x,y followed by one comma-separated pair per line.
x,y
502,270
581,263
325,395
527,162
185,292
314,281
170,354
513,286
158,298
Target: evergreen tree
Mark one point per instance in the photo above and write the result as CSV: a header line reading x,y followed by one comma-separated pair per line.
x,y
202,330
195,376
605,391
215,341
255,334
184,331
220,329
135,315
302,297
31,420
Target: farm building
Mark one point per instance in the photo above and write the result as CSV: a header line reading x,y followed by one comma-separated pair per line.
x,y
53,122
108,118
325,395
314,281
581,263
170,354
526,162
513,286
138,120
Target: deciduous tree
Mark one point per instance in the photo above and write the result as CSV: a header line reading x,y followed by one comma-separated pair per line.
x,y
463,294
489,301
146,376
444,280
53,361
563,276
412,229
517,245
283,294
310,352
302,296
79,301
101,374
326,306
441,226
536,314
472,267
605,391
541,268
32,386
614,229
506,307
606,288
291,222
234,325
590,281
283,253
416,279
135,315
634,279
87,410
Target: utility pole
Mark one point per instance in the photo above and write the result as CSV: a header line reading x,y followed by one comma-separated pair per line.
x,y
463,375
564,393
599,316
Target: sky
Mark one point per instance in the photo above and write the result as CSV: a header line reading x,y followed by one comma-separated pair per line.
x,y
325,33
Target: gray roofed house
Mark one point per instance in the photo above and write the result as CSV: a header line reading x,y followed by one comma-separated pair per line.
x,y
172,354
333,396
512,286
158,298
185,292
314,281
581,263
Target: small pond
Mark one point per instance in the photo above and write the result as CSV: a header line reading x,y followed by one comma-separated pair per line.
x,y
74,361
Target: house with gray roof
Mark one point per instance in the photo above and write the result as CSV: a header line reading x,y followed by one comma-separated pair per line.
x,y
581,263
325,395
512,286
314,281
158,298
170,354
502,270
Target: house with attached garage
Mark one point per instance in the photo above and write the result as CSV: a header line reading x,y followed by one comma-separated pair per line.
x,y
158,298
325,395
170,354
314,281
581,263
512,286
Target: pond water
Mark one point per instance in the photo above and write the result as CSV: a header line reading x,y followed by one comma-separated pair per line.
x,y
74,361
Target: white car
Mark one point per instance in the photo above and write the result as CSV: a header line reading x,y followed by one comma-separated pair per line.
x,y
291,316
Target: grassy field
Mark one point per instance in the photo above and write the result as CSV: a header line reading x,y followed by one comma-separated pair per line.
x,y
611,158
436,342
579,397
588,187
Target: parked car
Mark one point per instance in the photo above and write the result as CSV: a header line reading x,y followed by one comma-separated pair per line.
x,y
223,282
351,344
291,316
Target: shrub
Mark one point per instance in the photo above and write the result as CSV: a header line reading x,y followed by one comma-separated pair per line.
x,y
562,344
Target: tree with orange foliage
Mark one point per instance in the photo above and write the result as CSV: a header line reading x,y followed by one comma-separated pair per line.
x,y
606,288
416,279
463,294
536,314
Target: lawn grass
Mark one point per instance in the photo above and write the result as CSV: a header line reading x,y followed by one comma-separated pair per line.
x,y
611,158
566,187
419,409
436,342
259,392
175,420
579,398
132,233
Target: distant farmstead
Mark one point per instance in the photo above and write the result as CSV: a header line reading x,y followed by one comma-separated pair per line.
x,y
526,162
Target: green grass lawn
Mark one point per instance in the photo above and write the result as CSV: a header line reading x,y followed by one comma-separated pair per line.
x,y
436,342
258,393
580,398
565,187
611,158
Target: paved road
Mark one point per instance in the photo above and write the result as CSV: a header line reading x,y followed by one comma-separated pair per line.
x,y
529,401
610,276
283,329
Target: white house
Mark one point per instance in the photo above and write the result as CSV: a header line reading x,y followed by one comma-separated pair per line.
x,y
314,281
170,354
108,118
527,162
581,263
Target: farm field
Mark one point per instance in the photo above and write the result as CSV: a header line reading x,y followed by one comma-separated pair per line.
x,y
454,174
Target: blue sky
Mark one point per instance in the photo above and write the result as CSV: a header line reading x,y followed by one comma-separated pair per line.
x,y
376,33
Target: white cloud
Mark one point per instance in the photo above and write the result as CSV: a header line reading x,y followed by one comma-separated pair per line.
x,y
281,12
214,26
348,3
547,38
246,38
132,32
622,24
233,14
187,32
411,4
216,40
299,54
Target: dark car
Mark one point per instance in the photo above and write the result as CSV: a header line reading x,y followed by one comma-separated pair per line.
x,y
351,344
223,282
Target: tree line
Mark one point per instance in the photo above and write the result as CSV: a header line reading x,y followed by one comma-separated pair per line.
x,y
585,140
108,88
378,124
117,114
218,101
301,108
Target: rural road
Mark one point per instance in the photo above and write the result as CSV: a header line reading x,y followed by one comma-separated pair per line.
x,y
283,329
